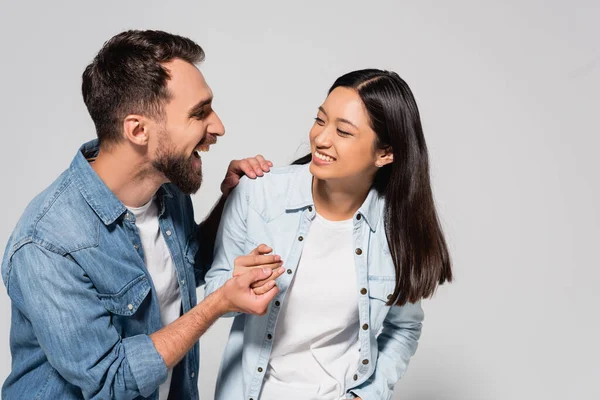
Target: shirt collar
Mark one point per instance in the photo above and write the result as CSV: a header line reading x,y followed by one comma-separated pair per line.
x,y
95,192
299,196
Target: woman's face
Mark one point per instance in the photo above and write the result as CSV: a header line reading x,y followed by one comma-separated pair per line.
x,y
342,140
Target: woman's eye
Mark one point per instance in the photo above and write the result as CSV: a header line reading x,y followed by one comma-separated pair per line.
x,y
319,121
344,133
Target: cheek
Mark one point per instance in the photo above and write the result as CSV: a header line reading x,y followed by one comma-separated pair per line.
x,y
357,156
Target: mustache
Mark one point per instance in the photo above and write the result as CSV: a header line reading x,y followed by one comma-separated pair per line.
x,y
208,140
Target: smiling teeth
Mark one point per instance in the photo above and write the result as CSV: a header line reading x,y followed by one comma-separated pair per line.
x,y
323,157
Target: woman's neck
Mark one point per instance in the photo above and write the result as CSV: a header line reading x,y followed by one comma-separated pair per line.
x,y
337,200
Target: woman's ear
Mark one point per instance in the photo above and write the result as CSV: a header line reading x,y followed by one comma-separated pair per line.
x,y
384,157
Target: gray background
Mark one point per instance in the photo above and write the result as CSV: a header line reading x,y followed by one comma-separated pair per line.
x,y
508,92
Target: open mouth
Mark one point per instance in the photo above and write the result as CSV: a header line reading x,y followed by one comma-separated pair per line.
x,y
204,146
324,157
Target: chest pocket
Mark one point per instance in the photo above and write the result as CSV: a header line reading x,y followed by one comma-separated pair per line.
x,y
381,289
124,306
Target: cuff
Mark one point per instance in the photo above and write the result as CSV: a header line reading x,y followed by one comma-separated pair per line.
x,y
147,366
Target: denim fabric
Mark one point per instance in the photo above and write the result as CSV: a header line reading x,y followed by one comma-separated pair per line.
x,y
83,303
278,210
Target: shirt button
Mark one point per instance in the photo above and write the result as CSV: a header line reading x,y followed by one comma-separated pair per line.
x,y
300,238
358,251
135,246
355,377
358,217
363,291
130,306
183,282
193,374
289,271
366,326
365,361
389,296
260,369
277,303
168,233
127,216
309,208
269,336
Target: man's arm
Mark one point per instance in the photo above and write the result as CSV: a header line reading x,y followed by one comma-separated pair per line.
x,y
207,232
76,333
176,339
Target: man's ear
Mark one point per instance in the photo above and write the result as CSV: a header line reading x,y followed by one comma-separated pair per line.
x,y
134,129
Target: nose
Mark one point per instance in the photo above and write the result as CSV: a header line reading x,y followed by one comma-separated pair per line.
x,y
323,139
215,126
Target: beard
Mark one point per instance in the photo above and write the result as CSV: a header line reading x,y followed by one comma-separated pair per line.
x,y
177,168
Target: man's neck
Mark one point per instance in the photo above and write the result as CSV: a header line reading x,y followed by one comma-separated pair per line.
x,y
128,175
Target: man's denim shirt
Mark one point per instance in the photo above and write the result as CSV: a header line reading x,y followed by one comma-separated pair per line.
x,y
83,303
278,210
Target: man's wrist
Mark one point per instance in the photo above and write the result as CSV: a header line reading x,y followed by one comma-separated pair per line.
x,y
218,302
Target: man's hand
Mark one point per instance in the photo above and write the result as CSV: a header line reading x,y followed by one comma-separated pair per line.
x,y
259,258
251,167
237,294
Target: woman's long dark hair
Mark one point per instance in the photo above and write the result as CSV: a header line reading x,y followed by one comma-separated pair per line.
x,y
413,231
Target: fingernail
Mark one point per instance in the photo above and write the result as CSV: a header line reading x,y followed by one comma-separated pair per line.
x,y
277,258
281,270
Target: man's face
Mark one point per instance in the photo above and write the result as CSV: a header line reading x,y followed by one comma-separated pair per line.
x,y
189,128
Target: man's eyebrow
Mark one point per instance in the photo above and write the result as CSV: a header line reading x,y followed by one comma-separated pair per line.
x,y
338,119
197,109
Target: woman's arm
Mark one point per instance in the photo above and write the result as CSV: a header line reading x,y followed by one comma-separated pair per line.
x,y
397,343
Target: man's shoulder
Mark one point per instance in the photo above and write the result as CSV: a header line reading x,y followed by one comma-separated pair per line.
x,y
58,219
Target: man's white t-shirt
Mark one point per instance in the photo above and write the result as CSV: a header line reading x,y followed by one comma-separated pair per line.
x,y
162,271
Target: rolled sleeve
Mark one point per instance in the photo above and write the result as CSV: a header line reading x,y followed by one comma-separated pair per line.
x,y
146,365
75,330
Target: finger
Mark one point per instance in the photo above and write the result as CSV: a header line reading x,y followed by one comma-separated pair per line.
x,y
247,169
256,166
242,270
263,163
265,299
264,288
276,274
255,261
255,274
261,249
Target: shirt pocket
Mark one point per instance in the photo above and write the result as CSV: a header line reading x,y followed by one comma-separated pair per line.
x,y
381,289
124,305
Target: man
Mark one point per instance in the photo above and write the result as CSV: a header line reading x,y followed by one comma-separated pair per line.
x,y
102,267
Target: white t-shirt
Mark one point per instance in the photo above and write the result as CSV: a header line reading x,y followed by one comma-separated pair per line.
x,y
315,345
162,271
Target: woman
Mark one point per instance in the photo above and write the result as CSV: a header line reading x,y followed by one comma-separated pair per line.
x,y
356,228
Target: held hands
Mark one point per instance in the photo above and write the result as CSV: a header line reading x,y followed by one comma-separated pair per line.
x,y
259,258
251,167
253,286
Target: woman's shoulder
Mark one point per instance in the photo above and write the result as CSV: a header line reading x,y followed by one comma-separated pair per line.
x,y
273,190
278,179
